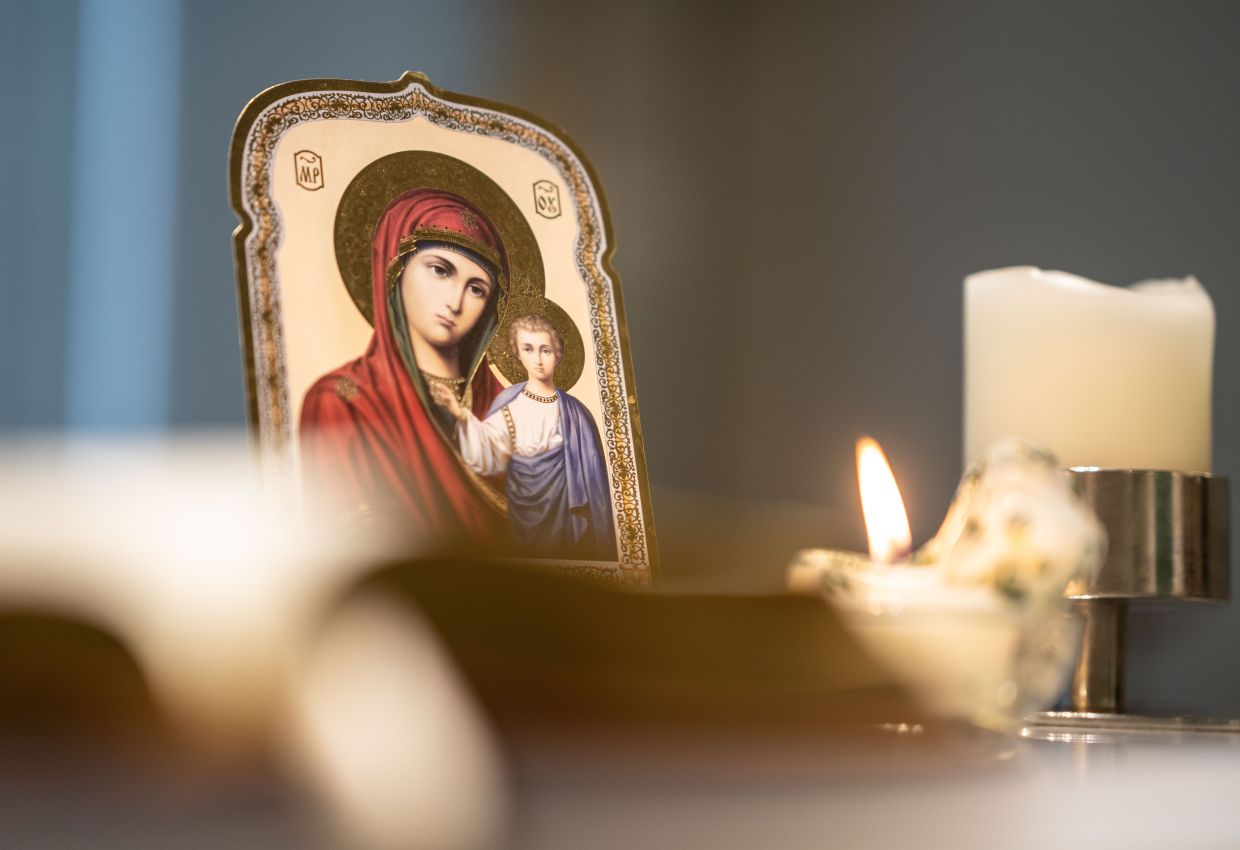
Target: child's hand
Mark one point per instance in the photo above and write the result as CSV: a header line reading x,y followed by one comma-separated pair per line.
x,y
444,397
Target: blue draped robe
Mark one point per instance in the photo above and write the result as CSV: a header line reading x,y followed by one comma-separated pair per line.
x,y
559,501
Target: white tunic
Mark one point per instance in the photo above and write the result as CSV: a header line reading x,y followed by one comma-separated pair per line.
x,y
486,445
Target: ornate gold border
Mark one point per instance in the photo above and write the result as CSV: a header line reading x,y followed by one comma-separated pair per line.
x,y
259,129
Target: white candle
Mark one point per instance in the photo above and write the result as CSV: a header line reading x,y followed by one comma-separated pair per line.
x,y
1104,376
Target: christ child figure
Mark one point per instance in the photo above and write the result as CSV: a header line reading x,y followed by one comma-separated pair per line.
x,y
546,443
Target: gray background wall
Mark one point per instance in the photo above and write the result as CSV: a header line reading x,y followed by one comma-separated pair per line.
x,y
797,191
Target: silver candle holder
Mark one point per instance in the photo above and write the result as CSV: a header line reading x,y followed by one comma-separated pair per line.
x,y
1169,541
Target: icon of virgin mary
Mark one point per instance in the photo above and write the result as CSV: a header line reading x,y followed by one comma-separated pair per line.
x,y
442,247
439,274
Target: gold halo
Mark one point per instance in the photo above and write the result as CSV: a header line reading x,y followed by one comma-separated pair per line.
x,y
374,187
569,371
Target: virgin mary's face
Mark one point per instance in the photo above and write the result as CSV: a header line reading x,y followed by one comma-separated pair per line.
x,y
445,294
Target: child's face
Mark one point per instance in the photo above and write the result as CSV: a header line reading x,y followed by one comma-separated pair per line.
x,y
537,354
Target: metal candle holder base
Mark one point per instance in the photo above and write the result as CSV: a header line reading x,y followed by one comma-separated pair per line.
x,y
1169,540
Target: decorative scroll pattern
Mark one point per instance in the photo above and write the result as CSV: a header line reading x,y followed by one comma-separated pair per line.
x,y
275,427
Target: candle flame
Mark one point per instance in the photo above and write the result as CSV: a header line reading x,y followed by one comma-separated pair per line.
x,y
886,522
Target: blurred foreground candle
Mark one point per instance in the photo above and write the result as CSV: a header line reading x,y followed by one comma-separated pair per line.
x,y
1104,376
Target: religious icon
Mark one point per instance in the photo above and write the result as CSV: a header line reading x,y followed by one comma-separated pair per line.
x,y
415,324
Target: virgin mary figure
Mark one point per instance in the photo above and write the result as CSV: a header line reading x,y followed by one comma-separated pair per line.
x,y
370,429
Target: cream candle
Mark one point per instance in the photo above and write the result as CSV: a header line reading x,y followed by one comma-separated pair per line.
x,y
1104,376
